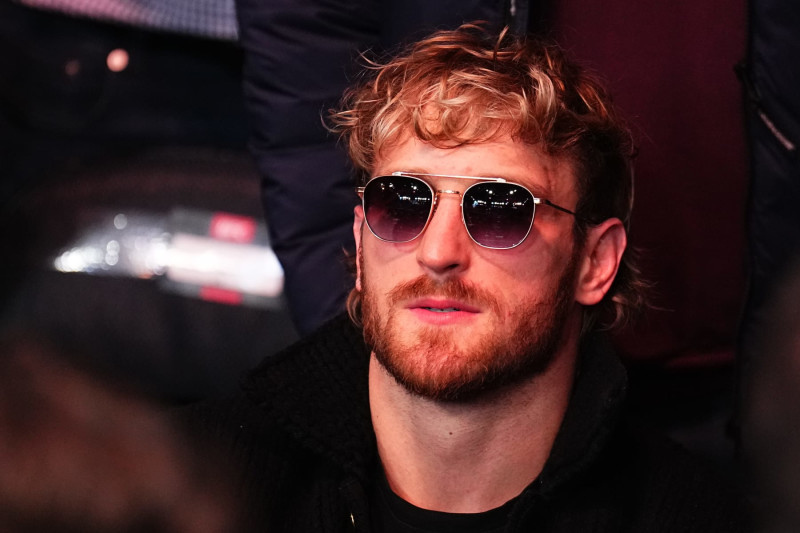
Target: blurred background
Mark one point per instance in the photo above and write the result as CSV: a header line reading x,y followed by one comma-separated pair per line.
x,y
132,228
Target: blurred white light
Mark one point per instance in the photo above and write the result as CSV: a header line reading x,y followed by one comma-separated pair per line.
x,y
120,221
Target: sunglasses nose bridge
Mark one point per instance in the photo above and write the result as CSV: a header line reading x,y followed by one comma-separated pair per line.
x,y
437,194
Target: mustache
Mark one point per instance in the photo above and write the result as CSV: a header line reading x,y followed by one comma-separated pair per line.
x,y
451,289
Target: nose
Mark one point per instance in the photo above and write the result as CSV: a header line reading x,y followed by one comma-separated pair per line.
x,y
445,245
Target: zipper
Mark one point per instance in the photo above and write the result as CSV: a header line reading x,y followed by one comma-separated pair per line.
x,y
516,16
754,98
354,499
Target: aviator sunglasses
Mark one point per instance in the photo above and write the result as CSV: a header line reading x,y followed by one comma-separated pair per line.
x,y
498,214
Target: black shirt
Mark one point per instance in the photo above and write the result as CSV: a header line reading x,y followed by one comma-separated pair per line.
x,y
392,514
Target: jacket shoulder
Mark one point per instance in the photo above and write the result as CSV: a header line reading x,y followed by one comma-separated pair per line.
x,y
675,490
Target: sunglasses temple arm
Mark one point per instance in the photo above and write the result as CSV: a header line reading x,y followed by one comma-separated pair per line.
x,y
555,206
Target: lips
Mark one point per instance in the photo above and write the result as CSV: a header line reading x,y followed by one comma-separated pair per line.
x,y
454,301
442,306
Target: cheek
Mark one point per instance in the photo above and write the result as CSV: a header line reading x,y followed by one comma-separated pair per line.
x,y
517,267
387,260
375,268
523,275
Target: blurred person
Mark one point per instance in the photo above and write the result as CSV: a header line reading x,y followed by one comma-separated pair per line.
x,y
470,387
77,454
772,95
769,345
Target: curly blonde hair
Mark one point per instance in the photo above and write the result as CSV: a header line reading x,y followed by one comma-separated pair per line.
x,y
468,86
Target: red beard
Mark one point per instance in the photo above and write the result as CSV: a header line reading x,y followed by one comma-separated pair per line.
x,y
430,362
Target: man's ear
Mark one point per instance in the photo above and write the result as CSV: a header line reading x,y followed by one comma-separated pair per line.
x,y
358,226
601,256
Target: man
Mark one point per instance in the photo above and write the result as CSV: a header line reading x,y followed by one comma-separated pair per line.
x,y
491,243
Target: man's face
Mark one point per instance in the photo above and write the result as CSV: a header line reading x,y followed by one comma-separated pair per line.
x,y
450,319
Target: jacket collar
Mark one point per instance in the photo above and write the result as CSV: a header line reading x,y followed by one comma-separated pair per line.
x,y
593,414
317,390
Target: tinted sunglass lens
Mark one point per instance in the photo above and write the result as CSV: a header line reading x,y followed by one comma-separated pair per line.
x,y
397,207
498,215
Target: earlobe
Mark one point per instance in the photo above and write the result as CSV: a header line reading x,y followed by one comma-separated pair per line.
x,y
605,244
358,225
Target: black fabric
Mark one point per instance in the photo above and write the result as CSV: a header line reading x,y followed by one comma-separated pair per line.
x,y
768,332
299,58
302,433
391,514
772,88
61,106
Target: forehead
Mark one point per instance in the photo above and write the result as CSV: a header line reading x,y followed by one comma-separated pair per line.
x,y
502,158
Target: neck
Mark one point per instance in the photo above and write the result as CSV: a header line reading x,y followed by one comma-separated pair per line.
x,y
468,457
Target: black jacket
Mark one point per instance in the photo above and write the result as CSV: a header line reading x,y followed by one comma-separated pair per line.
x,y
302,434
